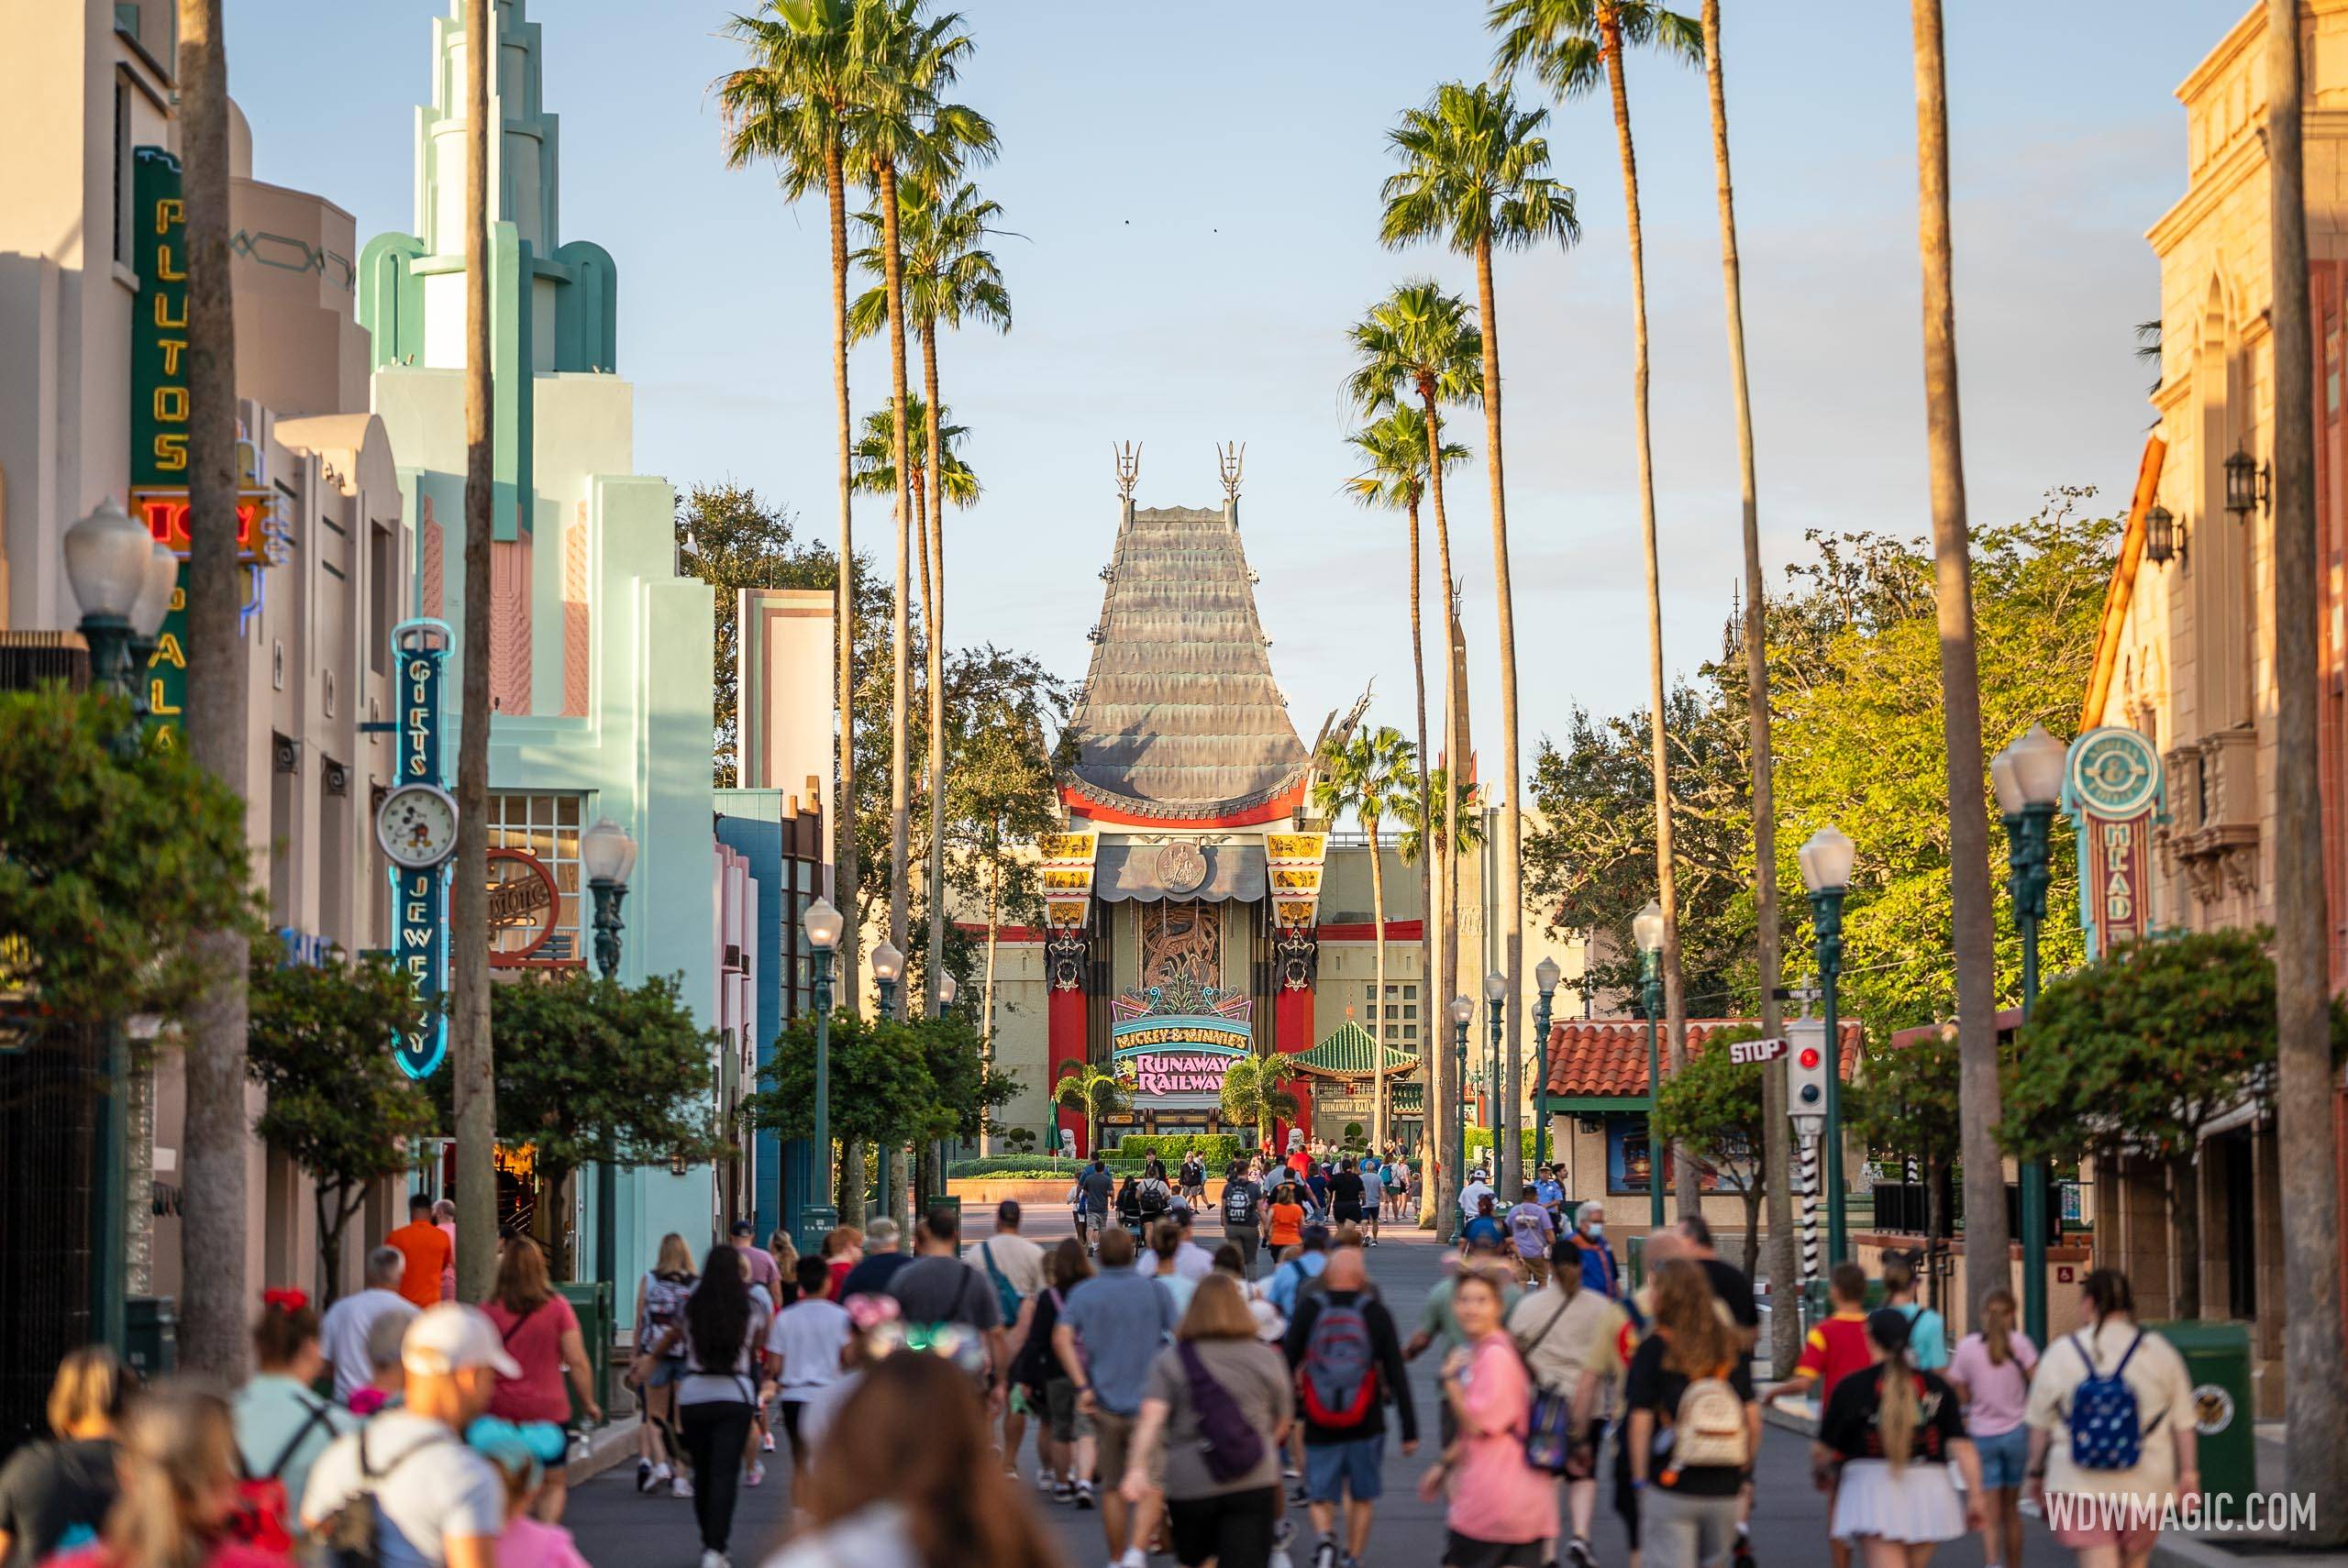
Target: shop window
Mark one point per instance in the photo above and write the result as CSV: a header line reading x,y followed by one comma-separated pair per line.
x,y
545,827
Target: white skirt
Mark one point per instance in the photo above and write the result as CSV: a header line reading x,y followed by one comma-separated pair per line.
x,y
1915,1505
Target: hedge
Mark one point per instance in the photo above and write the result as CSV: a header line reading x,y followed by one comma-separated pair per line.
x,y
1217,1149
1036,1166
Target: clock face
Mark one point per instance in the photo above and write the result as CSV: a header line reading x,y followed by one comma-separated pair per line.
x,y
417,826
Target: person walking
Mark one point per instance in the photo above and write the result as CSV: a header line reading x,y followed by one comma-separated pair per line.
x,y
906,1478
541,1333
342,1334
718,1395
1014,1268
1483,1229
444,1216
1064,1443
884,1256
764,1274
1532,1232
1099,1189
56,1493
1570,1339
842,1250
660,1297
1990,1371
1662,1246
1194,1180
1927,1331
1693,1424
281,1425
2112,1434
1284,1218
1835,1348
387,1379
1472,1195
1893,1431
1107,1334
1165,1247
179,1503
527,1541
428,1251
1348,1195
433,1500
1243,1217
937,1288
804,1347
1191,1261
1438,1325
1501,1513
1298,1269
1216,1405
1373,1200
1347,1361
1600,1272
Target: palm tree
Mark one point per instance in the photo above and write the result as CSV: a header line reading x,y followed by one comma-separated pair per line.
x,y
1986,1238
1370,775
875,454
1777,1154
1475,176
1436,824
1252,1095
789,107
212,1311
1420,343
2316,1400
1085,1087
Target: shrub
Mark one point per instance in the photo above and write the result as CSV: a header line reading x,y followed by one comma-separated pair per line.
x,y
1217,1149
1021,1139
1037,1165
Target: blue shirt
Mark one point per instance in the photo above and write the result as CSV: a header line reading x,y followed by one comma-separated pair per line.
x,y
1120,1320
1927,1338
1289,1278
1548,1194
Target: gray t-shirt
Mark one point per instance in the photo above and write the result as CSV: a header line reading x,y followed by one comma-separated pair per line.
x,y
1256,1376
430,1488
1121,1319
939,1289
1097,1187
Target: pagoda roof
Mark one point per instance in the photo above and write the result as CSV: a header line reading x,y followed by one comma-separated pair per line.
x,y
1347,1053
1180,719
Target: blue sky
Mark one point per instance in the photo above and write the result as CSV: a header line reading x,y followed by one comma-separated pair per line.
x,y
1194,188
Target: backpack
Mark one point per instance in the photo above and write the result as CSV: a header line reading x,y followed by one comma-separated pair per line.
x,y
1549,1421
1238,1203
664,1309
1337,1380
2106,1429
262,1514
1228,1444
1153,1196
1710,1427
1006,1295
352,1534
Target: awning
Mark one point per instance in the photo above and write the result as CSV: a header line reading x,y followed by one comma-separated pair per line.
x,y
1136,871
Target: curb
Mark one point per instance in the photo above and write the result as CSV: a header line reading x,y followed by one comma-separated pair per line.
x,y
608,1446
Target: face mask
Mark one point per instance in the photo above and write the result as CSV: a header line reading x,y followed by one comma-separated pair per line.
x,y
1594,1229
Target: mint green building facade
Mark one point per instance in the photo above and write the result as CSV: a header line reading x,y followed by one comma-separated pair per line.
x,y
600,652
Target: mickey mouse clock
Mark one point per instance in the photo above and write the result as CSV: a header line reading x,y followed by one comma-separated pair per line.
x,y
417,826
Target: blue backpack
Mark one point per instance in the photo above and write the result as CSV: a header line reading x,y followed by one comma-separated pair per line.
x,y
2106,1429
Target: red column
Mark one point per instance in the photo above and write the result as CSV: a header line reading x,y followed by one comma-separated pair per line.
x,y
1067,1034
1292,1035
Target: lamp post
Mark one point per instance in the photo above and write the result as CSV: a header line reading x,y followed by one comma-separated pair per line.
x,y
823,925
1462,1010
607,855
888,967
1646,931
1826,872
1545,975
110,565
2028,779
1495,999
945,989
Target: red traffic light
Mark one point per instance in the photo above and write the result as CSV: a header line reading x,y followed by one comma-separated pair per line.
x,y
1809,1058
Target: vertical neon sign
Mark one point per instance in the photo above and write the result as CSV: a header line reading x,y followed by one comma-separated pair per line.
x,y
419,898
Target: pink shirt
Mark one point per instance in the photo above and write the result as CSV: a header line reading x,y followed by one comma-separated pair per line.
x,y
533,1543
534,1339
1999,1394
1495,1494
448,1275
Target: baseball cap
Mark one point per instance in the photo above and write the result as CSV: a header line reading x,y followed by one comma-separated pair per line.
x,y
743,1228
452,1337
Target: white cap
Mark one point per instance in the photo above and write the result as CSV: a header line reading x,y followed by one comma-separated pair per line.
x,y
454,1338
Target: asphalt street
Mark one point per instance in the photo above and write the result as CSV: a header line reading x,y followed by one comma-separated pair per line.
x,y
616,1528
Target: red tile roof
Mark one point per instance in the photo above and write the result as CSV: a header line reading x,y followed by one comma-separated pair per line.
x,y
1607,1057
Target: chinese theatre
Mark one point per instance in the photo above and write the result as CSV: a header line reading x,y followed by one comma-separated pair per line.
x,y
1182,900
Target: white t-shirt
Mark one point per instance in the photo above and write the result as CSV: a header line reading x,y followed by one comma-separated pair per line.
x,y
2164,1396
1021,1261
430,1488
807,1338
342,1336
1473,1194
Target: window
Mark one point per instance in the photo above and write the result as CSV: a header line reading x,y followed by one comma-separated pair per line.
x,y
382,596
545,827
1398,1026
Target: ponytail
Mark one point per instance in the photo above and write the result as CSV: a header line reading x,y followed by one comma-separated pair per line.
x,y
1997,1325
1895,1421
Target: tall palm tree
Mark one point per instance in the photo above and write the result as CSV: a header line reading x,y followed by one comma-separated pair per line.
x,y
212,1308
1785,1338
1475,176
1394,448
1986,1238
875,454
789,107
1439,823
1573,46
1370,775
1419,343
2316,1397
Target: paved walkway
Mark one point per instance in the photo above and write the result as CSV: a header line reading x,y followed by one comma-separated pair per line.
x,y
618,1528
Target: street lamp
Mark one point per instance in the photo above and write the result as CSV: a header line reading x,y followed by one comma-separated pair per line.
x,y
1495,994
1462,1011
888,967
822,925
945,989
108,564
2028,779
607,855
1646,931
1546,975
1826,872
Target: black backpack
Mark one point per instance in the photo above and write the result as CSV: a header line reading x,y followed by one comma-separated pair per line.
x,y
1239,1203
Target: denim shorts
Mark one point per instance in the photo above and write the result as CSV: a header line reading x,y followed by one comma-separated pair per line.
x,y
2003,1458
1335,1469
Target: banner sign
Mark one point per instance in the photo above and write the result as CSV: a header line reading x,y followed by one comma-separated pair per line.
x,y
2113,791
1065,877
1172,1045
1293,867
419,928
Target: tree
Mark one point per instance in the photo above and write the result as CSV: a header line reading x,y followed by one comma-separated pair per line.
x,y
1420,342
338,1106
731,539
595,1070
789,107
2140,1052
1786,1336
1253,1095
1475,176
1908,1104
1975,941
881,1090
1093,1092
2315,1333
876,471
1710,1111
1370,774
214,1300
115,868
964,1087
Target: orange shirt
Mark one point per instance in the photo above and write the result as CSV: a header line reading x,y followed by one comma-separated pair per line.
x,y
428,1252
1287,1224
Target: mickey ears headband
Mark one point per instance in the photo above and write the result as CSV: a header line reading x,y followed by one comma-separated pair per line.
x,y
285,1301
